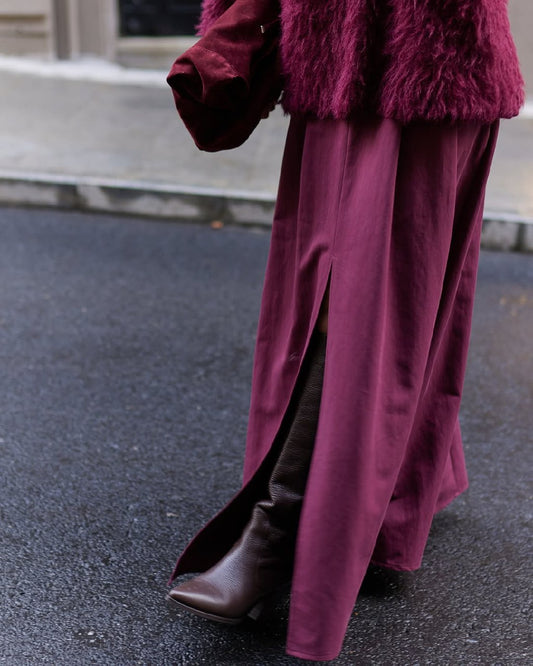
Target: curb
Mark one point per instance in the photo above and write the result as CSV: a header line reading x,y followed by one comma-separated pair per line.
x,y
193,204
501,231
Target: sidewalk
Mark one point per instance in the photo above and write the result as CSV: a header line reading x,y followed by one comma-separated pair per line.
x,y
93,136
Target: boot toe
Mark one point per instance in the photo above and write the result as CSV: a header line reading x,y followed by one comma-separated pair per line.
x,y
196,593
205,599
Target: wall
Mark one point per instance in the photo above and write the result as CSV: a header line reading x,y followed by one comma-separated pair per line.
x,y
521,15
26,27
98,20
58,28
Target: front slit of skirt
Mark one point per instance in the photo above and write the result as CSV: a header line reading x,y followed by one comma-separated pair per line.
x,y
225,528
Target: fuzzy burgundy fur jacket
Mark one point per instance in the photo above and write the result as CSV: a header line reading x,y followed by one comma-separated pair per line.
x,y
403,59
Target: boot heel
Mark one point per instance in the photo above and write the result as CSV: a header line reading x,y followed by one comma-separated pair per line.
x,y
256,612
268,603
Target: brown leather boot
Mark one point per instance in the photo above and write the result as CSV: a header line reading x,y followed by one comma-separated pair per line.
x,y
260,562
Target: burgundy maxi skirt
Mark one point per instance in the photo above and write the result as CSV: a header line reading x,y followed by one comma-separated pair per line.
x,y
390,216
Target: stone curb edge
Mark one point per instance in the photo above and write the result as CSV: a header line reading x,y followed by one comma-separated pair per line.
x,y
501,231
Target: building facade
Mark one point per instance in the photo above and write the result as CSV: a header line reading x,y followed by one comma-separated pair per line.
x,y
67,29
146,32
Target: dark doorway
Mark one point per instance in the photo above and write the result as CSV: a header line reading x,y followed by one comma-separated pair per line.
x,y
158,18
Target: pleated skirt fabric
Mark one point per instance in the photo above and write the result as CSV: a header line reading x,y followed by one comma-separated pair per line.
x,y
389,216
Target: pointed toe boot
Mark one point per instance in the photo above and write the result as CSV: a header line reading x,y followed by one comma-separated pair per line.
x,y
240,584
260,563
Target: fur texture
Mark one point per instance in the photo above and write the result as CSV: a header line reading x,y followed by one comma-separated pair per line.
x,y
405,59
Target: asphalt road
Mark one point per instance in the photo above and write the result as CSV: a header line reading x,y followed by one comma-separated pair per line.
x,y
126,349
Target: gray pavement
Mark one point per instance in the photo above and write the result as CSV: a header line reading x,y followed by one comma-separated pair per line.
x,y
126,349
120,147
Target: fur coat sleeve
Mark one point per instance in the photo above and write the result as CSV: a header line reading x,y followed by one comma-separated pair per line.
x,y
405,59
